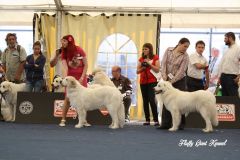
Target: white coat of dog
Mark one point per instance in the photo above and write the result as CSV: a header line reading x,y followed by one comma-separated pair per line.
x,y
9,91
179,102
85,99
6,110
100,77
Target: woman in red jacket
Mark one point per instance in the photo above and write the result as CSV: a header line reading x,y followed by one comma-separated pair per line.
x,y
75,64
147,64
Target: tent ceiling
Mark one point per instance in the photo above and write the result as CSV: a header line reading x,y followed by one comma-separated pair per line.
x,y
134,5
21,11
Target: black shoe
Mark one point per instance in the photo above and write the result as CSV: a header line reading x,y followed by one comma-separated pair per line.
x,y
146,123
163,127
156,124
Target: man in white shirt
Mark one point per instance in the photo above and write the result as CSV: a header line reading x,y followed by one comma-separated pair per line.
x,y
196,67
229,67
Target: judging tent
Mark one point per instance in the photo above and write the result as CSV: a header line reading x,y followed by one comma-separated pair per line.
x,y
140,20
177,13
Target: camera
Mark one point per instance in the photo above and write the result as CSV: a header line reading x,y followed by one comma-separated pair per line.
x,y
144,64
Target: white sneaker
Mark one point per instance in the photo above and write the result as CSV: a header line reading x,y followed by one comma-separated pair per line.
x,y
62,123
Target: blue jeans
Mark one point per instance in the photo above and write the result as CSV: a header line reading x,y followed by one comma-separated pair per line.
x,y
35,86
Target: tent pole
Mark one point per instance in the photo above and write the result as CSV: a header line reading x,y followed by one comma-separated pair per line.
x,y
158,34
59,28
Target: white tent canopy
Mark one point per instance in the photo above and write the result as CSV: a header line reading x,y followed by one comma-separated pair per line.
x,y
175,13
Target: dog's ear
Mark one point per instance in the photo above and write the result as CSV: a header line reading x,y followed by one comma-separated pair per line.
x,y
164,85
73,83
56,76
168,85
8,86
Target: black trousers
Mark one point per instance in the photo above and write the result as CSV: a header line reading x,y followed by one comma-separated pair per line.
x,y
1,117
166,115
148,96
229,87
194,84
127,104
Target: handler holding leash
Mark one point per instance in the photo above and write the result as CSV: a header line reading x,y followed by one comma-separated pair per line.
x,y
174,65
75,64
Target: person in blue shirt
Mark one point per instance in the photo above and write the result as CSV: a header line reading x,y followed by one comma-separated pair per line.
x,y
34,68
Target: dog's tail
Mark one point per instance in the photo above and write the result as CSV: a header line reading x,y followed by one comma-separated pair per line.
x,y
121,115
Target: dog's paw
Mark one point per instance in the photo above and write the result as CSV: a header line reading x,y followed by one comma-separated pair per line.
x,y
172,129
78,126
87,125
207,130
113,127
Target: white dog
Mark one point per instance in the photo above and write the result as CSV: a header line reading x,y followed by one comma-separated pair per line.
x,y
56,85
5,110
179,102
101,78
9,91
85,99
